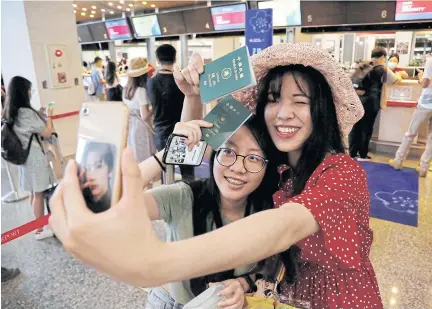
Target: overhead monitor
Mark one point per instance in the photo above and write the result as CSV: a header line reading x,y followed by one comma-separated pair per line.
x,y
229,17
370,12
98,31
84,35
322,13
172,23
285,13
413,10
198,20
118,29
146,26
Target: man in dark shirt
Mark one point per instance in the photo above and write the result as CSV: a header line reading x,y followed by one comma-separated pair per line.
x,y
166,100
371,99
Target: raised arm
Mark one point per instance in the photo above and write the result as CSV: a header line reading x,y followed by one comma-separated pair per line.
x,y
188,82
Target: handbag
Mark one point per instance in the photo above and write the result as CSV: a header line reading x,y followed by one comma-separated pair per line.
x,y
267,294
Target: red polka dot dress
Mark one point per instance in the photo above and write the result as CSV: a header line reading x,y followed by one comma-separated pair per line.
x,y
335,270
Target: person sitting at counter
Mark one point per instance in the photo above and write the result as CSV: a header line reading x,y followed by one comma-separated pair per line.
x,y
393,62
85,68
422,113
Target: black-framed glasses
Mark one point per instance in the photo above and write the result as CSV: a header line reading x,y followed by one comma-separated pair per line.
x,y
252,163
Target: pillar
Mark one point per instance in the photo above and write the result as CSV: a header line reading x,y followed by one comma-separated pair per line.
x,y
151,50
29,29
184,51
112,51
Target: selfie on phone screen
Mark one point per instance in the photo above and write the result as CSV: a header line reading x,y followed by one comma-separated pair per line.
x,y
96,165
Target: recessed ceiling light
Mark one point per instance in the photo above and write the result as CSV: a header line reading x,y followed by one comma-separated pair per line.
x,y
93,12
82,13
102,10
144,3
84,9
128,9
119,7
92,16
94,7
130,5
153,5
74,5
112,12
75,11
110,3
121,1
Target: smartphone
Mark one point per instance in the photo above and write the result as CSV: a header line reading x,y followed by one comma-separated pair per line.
x,y
177,153
102,136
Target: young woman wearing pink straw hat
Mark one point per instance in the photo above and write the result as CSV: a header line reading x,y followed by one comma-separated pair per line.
x,y
307,106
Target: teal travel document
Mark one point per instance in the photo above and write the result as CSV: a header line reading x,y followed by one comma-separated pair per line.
x,y
227,117
225,75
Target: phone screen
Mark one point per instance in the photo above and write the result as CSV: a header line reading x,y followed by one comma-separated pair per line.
x,y
179,154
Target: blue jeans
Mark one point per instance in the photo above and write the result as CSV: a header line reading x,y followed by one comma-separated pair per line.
x,y
159,298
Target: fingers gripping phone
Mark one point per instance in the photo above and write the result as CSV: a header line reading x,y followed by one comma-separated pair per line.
x,y
177,153
102,136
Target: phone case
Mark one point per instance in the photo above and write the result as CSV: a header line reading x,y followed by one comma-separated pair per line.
x,y
102,136
180,155
207,299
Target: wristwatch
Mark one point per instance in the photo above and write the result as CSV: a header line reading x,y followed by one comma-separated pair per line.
x,y
252,286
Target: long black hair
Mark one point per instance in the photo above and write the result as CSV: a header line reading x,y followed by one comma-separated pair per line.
x,y
134,83
207,208
110,74
18,97
325,137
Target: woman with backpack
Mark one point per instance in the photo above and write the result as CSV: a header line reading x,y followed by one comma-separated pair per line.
x,y
34,174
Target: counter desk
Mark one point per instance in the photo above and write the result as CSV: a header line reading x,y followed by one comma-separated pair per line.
x,y
393,121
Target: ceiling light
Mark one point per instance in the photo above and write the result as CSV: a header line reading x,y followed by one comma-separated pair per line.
x,y
110,3
93,12
94,7
82,13
121,1
128,9
74,5
130,5
119,7
75,11
153,5
144,2
102,10
84,9
92,16
112,12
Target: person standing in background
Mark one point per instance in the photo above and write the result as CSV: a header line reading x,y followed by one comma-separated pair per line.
x,y
141,136
98,80
422,114
35,174
393,63
114,89
167,101
371,99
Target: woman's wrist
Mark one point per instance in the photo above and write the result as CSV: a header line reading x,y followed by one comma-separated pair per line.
x,y
244,284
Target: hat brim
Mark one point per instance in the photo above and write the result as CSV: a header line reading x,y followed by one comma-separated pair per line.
x,y
138,72
348,106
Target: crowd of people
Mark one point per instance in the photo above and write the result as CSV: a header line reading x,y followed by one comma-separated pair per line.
x,y
281,188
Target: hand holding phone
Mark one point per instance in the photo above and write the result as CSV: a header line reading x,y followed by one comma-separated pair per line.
x,y
184,146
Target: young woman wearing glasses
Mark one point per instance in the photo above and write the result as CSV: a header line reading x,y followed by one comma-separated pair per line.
x,y
240,184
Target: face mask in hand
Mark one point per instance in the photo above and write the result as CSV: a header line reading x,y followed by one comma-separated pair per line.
x,y
392,65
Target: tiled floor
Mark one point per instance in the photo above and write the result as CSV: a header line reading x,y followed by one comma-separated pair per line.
x,y
401,255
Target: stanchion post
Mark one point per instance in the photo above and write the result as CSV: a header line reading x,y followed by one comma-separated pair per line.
x,y
14,195
169,175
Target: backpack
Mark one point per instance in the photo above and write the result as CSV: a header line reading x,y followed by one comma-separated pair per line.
x,y
11,147
360,74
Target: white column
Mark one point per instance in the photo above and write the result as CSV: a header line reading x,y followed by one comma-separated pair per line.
x,y
28,27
